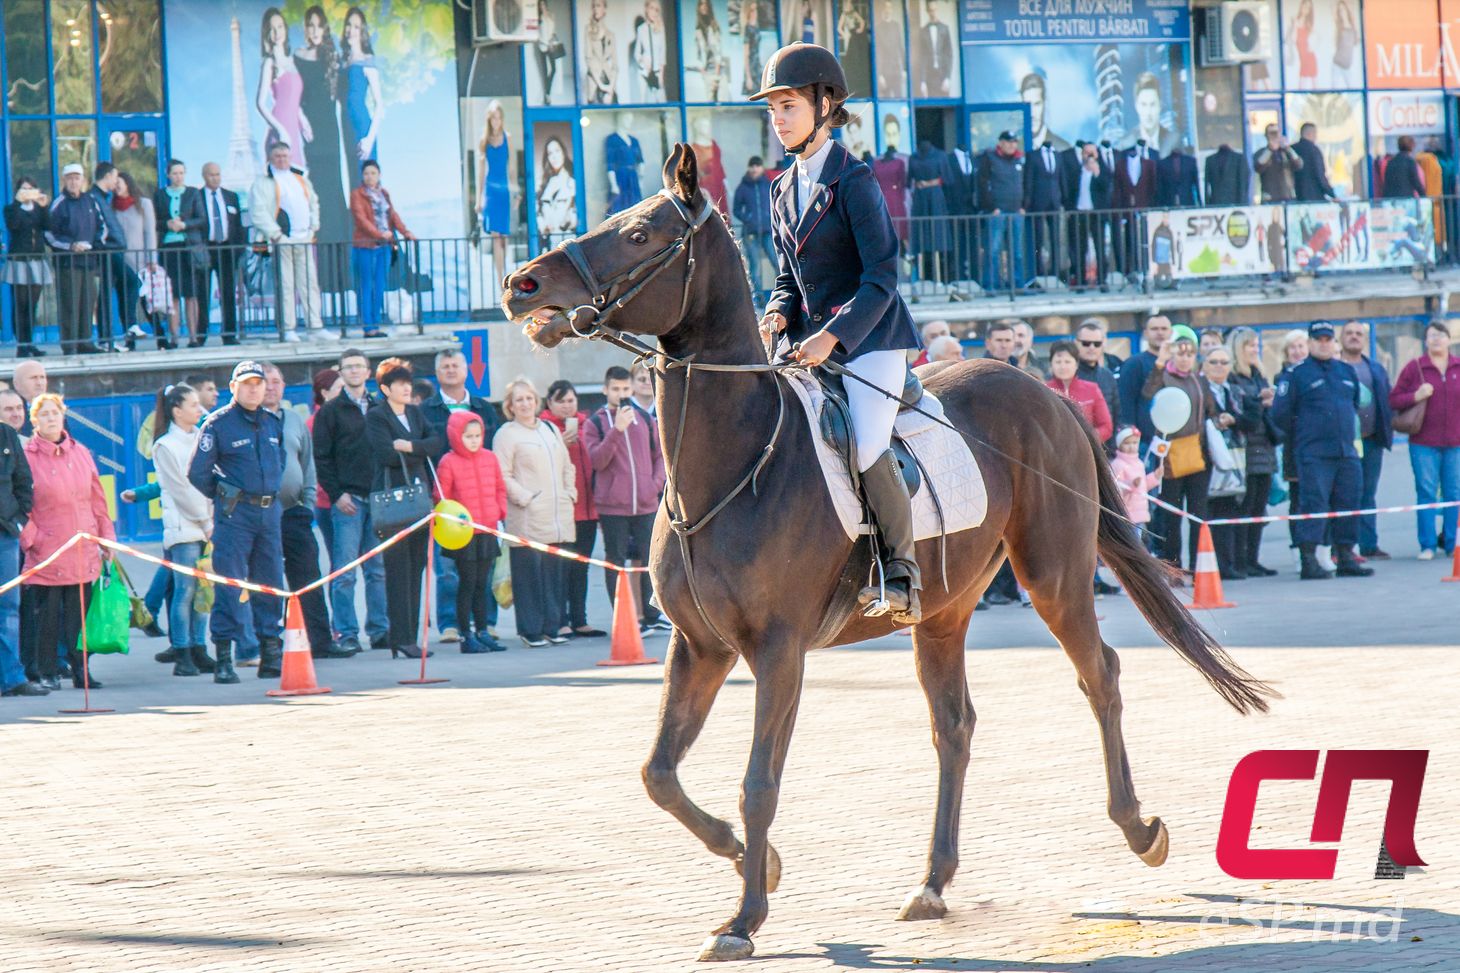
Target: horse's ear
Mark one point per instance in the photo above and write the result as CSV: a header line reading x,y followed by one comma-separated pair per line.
x,y
682,174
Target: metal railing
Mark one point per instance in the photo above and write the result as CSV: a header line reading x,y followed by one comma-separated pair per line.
x,y
112,298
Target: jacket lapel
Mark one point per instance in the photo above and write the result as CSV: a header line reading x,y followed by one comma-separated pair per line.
x,y
822,193
785,204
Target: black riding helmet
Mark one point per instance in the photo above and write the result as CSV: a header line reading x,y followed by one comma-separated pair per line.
x,y
802,66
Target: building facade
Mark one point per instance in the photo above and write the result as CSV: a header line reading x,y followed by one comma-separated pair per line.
x,y
541,139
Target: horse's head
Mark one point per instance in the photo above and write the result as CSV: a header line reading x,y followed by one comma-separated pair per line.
x,y
635,265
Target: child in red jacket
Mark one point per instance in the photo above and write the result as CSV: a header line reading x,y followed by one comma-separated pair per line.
x,y
470,475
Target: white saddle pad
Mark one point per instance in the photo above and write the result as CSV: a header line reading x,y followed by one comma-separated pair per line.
x,y
951,472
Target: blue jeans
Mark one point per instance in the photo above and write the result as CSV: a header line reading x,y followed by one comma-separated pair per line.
x,y
1436,477
185,627
1373,460
12,673
352,535
371,266
754,245
1004,230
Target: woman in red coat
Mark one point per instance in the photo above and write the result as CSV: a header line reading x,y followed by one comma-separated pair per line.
x,y
1063,362
562,411
470,475
68,501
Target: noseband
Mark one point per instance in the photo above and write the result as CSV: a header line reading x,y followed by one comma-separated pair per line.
x,y
605,302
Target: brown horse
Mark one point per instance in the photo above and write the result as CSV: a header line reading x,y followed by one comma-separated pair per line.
x,y
750,561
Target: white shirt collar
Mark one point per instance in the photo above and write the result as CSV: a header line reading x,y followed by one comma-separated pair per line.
x,y
808,172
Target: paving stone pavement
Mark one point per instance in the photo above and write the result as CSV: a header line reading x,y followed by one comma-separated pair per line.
x,y
497,822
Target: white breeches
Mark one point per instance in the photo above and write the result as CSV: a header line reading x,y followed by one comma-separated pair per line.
x,y
872,412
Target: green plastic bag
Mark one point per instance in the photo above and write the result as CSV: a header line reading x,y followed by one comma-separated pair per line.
x,y
109,616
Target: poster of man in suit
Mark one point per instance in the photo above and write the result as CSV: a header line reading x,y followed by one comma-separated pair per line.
x,y
1120,92
934,49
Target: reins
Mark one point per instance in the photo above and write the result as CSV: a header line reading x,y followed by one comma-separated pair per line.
x,y
604,305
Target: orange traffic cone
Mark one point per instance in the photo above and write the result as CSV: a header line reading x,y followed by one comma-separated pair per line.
x,y
1208,581
1454,568
298,677
627,648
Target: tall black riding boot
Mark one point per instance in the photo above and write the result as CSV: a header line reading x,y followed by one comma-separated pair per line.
x,y
223,669
271,658
892,507
1311,570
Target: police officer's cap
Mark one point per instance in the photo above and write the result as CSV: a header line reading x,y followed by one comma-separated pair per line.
x,y
800,65
1320,329
247,368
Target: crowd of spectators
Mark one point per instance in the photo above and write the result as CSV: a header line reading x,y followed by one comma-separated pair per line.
x,y
1314,434
243,487
126,267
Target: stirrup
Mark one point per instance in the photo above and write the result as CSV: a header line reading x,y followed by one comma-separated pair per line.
x,y
879,605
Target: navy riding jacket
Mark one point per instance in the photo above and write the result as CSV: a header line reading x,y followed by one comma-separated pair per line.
x,y
838,263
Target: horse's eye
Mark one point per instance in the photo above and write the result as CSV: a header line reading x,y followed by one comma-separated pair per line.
x,y
638,238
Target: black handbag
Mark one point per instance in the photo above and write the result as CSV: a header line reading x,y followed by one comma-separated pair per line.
x,y
396,508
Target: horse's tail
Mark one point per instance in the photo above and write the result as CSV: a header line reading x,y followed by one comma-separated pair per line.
x,y
1146,581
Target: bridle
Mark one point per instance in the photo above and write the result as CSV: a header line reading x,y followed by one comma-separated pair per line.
x,y
602,307
605,303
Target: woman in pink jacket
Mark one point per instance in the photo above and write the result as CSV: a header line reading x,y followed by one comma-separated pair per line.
x,y
68,500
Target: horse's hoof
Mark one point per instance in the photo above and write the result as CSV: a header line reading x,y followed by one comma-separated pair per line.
x,y
1155,856
772,869
920,904
722,948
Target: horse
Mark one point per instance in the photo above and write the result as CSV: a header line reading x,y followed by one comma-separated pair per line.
x,y
750,561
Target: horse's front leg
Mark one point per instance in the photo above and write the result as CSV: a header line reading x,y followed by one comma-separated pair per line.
x,y
778,669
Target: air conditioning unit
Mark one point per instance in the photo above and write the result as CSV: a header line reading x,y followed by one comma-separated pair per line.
x,y
503,21
1237,32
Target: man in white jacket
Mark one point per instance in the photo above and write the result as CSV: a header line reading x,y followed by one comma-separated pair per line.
x,y
284,209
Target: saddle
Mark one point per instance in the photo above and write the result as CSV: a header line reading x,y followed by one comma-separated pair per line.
x,y
836,426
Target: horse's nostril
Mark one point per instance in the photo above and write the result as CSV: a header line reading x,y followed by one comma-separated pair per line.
x,y
526,285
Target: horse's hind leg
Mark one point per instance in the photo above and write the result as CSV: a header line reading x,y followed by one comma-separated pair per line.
x,y
692,679
938,650
1062,592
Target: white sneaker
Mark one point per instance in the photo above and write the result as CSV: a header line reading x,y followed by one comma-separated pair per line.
x,y
450,634
1324,554
322,334
1428,554
291,337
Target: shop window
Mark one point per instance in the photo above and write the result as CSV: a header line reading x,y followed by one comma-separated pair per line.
x,y
724,141
548,62
623,152
30,152
894,131
27,86
854,45
131,55
629,54
860,134
76,142
806,22
555,183
725,46
1340,121
73,70
1323,46
936,70
890,43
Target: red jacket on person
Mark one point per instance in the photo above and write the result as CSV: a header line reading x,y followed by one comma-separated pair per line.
x,y
583,507
1091,401
472,479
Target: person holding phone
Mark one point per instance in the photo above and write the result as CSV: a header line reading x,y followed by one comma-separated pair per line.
x,y
622,440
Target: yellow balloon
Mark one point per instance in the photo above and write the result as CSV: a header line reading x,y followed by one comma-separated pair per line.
x,y
452,531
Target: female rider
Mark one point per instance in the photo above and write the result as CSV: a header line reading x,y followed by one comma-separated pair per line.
x,y
836,293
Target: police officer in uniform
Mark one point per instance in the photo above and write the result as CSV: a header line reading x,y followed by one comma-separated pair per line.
x,y
239,464
1316,409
